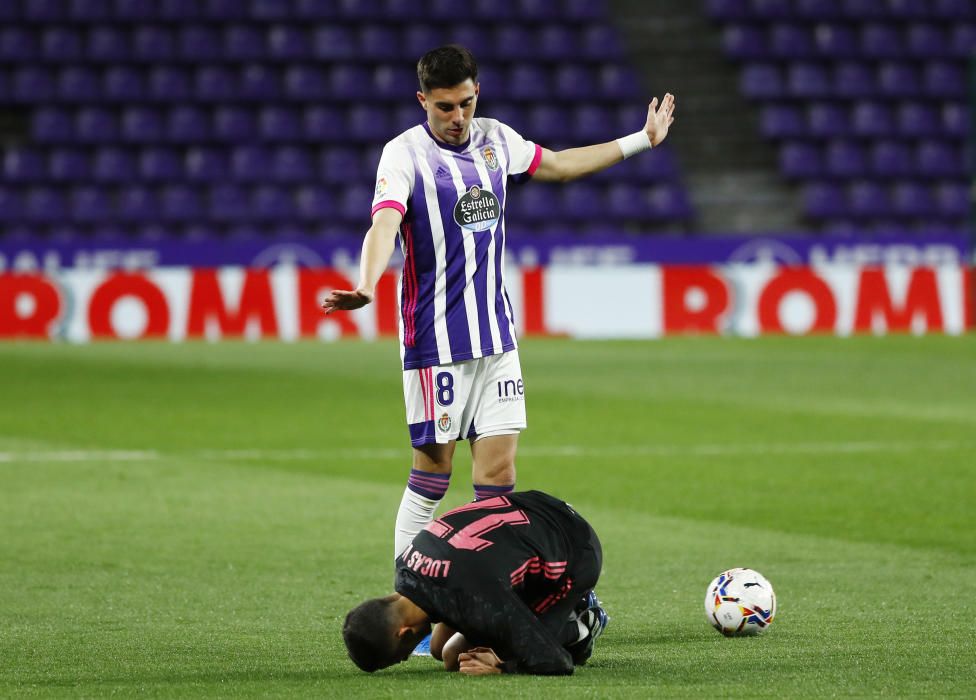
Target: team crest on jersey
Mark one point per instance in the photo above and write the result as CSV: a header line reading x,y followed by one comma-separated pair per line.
x,y
491,160
477,209
381,186
444,423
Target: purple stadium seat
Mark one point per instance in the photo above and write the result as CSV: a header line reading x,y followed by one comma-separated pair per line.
x,y
96,125
912,199
44,10
550,121
378,42
528,81
394,82
52,125
817,9
362,9
627,201
873,119
828,119
927,40
340,164
418,39
62,44
335,42
791,41
250,163
898,80
170,83
200,43
408,9
836,41
24,165
89,10
955,119
289,42
215,83
316,9
474,36
11,210
963,40
113,165
492,81
864,9
868,199
270,9
142,125
953,198
824,200
272,204
728,9
233,123
317,204
277,123
366,122
322,124
945,79
137,203
584,10
954,9
45,205
226,9
940,159
668,201
179,203
406,116
574,81
557,42
807,80
917,119
108,43
891,159
591,123
853,79
134,10
618,81
244,42
761,80
778,120
515,41
881,40
845,159
745,41
305,82
582,200
90,205
909,9
188,125
259,82
160,165
153,43
510,113
33,84
292,164
800,160
123,84
229,203
181,9
206,165
600,42
69,165
771,9
79,84
536,203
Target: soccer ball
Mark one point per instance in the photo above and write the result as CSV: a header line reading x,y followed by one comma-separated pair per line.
x,y
740,602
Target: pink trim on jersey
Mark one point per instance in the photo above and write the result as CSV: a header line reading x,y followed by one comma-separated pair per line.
x,y
424,391
536,159
550,569
430,391
409,287
388,204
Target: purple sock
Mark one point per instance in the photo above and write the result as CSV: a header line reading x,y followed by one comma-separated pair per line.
x,y
428,484
482,491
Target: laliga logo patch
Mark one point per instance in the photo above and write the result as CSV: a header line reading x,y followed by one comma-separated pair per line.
x,y
444,423
488,153
477,210
381,186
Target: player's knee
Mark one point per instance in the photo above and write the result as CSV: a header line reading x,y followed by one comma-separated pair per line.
x,y
500,473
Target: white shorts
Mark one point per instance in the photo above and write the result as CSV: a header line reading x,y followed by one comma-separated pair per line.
x,y
465,400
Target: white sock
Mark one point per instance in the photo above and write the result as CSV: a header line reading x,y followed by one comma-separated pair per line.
x,y
415,513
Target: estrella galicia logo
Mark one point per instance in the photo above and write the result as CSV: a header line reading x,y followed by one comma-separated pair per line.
x,y
477,210
491,160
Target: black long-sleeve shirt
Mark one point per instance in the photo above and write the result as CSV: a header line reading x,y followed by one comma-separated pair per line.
x,y
492,570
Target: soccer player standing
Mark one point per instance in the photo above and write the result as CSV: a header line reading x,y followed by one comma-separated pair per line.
x,y
442,187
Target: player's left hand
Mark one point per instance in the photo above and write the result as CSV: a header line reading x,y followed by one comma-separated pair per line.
x,y
659,119
343,300
480,661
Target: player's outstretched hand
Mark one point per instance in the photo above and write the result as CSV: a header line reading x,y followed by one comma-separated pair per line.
x,y
659,119
345,300
480,661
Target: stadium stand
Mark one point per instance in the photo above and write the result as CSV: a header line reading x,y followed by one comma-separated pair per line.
x,y
268,115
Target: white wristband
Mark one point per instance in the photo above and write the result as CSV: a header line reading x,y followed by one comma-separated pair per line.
x,y
633,144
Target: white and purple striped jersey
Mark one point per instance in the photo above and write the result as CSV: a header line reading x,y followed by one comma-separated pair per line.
x,y
453,303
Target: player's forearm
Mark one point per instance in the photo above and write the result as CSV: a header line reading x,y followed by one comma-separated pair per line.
x,y
579,162
375,258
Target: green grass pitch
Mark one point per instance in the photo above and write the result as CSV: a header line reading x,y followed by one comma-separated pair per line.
x,y
195,520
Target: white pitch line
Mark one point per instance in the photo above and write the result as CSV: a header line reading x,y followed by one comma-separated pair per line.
x,y
568,451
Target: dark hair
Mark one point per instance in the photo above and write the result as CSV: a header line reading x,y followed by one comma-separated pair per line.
x,y
446,67
369,635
